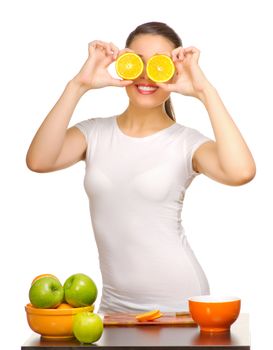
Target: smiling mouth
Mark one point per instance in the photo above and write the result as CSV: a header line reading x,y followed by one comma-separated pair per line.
x,y
146,89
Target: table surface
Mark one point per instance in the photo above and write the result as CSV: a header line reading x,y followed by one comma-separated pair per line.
x,y
155,337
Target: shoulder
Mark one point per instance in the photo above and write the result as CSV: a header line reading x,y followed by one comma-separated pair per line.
x,y
90,125
105,121
186,130
191,139
188,133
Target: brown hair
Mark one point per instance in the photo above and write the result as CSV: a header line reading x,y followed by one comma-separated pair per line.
x,y
158,28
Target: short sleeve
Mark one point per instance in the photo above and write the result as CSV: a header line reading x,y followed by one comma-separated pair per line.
x,y
192,141
88,128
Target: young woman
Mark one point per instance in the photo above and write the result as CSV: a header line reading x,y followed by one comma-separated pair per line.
x,y
138,167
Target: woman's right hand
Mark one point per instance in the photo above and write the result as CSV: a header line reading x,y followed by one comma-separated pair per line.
x,y
94,73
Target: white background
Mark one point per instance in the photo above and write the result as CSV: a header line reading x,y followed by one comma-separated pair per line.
x,y
45,223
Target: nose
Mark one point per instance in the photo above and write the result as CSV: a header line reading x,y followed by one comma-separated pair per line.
x,y
144,75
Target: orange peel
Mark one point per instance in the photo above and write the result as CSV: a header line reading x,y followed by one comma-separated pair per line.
x,y
42,276
160,68
149,316
129,66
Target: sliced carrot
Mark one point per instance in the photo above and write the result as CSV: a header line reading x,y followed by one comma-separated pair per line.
x,y
149,316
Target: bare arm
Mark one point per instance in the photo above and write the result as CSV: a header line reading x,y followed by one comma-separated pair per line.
x,y
228,160
55,146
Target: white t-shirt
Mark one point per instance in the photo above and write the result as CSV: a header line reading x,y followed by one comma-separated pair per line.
x,y
136,188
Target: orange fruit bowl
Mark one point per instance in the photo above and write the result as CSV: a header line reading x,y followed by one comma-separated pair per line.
x,y
54,323
214,314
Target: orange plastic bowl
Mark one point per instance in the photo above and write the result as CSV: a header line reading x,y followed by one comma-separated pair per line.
x,y
53,323
214,314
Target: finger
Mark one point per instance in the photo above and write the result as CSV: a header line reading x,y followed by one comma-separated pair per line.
x,y
101,45
174,54
93,46
115,50
165,87
91,49
193,50
92,43
178,54
109,49
96,43
120,83
181,54
179,67
107,61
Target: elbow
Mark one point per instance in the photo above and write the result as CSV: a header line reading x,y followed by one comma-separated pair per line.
x,y
34,166
244,176
244,179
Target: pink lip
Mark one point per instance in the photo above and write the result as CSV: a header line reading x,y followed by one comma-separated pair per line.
x,y
142,92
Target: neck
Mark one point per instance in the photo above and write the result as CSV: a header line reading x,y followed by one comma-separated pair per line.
x,y
137,118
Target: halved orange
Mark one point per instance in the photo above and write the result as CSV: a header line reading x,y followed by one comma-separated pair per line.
x,y
149,316
43,275
129,66
64,306
160,68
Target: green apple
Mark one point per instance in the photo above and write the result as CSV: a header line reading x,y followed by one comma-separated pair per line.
x,y
46,292
80,290
87,327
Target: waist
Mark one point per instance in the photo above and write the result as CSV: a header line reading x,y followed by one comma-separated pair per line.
x,y
135,302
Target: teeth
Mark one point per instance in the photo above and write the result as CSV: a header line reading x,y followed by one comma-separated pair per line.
x,y
146,88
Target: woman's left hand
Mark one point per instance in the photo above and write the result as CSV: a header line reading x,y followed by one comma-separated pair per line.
x,y
189,79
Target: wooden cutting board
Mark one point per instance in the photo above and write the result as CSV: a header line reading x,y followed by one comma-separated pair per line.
x,y
121,319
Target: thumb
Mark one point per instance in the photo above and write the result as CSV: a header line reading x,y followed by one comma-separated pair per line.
x,y
165,87
120,83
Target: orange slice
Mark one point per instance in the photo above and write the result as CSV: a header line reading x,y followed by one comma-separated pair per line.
x,y
43,275
129,66
149,316
160,68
